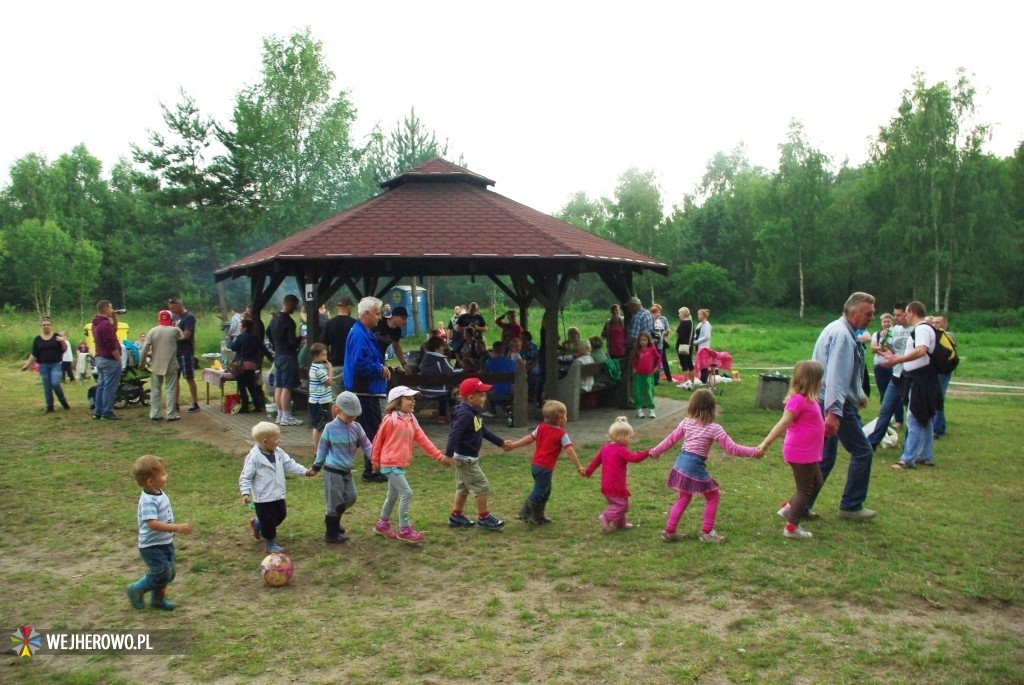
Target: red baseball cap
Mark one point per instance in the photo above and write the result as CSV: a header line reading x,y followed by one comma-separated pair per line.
x,y
165,318
472,385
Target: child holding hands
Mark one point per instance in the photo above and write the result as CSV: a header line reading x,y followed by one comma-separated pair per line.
x,y
392,454
156,534
614,457
551,439
335,454
689,475
805,434
262,482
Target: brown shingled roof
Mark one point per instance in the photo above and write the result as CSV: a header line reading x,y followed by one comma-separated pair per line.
x,y
444,218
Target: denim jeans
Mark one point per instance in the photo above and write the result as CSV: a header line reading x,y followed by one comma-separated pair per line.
x,y
939,420
108,377
891,402
160,560
920,444
883,376
851,435
400,492
51,375
541,484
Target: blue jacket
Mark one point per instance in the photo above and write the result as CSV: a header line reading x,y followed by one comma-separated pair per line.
x,y
364,362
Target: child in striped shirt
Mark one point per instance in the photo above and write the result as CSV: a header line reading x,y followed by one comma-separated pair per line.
x,y
689,475
321,401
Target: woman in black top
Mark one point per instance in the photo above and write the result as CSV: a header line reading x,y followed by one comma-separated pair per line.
x,y
250,351
684,347
48,351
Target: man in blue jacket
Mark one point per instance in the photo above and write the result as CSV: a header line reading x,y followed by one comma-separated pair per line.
x,y
366,375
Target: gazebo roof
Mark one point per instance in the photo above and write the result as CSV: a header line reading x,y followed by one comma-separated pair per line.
x,y
440,219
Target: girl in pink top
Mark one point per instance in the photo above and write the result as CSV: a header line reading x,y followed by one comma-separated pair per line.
x,y
805,434
614,457
392,454
689,475
646,364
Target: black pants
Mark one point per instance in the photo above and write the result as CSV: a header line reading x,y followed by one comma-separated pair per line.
x,y
67,369
248,391
271,515
370,421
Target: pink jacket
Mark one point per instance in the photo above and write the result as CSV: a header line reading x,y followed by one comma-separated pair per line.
x,y
612,459
647,360
393,444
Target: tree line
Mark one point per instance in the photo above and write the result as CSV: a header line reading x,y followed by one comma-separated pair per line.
x,y
929,216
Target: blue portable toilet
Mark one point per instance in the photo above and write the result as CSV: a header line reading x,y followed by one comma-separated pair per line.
x,y
401,296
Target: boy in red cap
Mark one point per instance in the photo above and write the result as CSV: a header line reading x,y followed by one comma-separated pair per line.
x,y
464,442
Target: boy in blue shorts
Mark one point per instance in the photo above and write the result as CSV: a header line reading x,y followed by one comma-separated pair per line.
x,y
156,534
335,453
464,442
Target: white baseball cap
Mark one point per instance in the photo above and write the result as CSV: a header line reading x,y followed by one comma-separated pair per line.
x,y
401,391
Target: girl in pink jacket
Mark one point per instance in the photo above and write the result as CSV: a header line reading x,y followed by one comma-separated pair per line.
x,y
392,454
613,459
646,363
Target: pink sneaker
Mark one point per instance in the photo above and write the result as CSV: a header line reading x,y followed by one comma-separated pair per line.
x,y
383,527
408,534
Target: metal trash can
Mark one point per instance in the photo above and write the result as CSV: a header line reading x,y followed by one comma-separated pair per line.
x,y
771,391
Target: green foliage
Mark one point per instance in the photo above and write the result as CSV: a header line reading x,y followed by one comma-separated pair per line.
x,y
703,285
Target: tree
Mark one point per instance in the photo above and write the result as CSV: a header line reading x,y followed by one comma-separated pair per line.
x,y
408,144
292,137
921,154
790,238
38,256
635,216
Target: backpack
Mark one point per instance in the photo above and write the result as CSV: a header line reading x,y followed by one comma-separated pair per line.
x,y
945,358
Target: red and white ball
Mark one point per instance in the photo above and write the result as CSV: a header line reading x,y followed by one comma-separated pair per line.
x,y
277,569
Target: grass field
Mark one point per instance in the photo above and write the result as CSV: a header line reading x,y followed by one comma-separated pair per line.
x,y
930,592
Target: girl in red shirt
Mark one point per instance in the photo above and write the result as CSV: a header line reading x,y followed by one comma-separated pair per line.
x,y
646,363
614,457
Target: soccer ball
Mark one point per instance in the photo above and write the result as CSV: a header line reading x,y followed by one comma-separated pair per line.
x,y
277,569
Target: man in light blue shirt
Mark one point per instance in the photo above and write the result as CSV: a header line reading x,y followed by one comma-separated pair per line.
x,y
842,396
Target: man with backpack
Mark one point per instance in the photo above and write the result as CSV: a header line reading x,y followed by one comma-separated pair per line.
x,y
921,383
939,422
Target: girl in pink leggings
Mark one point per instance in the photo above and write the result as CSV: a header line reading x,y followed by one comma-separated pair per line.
x,y
613,459
689,475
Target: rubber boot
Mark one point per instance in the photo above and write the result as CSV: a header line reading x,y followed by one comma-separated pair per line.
x,y
137,590
333,535
530,512
538,512
525,512
160,600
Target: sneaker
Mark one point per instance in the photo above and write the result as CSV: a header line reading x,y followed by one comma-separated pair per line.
x,y
902,466
857,514
110,417
459,521
254,525
809,515
651,415
670,537
156,418
711,537
291,421
176,417
639,413
194,408
489,522
383,527
784,511
797,533
273,548
336,540
681,385
277,419
409,534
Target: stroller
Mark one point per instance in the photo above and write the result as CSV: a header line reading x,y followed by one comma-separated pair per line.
x,y
132,388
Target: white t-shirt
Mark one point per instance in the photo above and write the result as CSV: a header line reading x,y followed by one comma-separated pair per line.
x,y
899,337
923,335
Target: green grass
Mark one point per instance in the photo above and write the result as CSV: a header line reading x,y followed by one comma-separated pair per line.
x,y
930,592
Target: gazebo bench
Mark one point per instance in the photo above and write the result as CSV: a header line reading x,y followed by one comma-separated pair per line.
x,y
520,401
604,393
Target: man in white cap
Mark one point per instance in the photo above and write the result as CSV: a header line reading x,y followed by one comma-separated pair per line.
x,y
162,344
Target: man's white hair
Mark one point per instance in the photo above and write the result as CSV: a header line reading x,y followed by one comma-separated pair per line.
x,y
368,304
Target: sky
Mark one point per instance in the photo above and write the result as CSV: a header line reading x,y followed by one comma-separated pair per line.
x,y
546,98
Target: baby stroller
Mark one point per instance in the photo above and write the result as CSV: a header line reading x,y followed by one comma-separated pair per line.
x,y
132,388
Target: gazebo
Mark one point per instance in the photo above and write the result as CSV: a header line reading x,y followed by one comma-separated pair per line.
x,y
440,219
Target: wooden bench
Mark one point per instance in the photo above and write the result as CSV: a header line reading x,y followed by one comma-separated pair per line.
x,y
604,393
520,397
